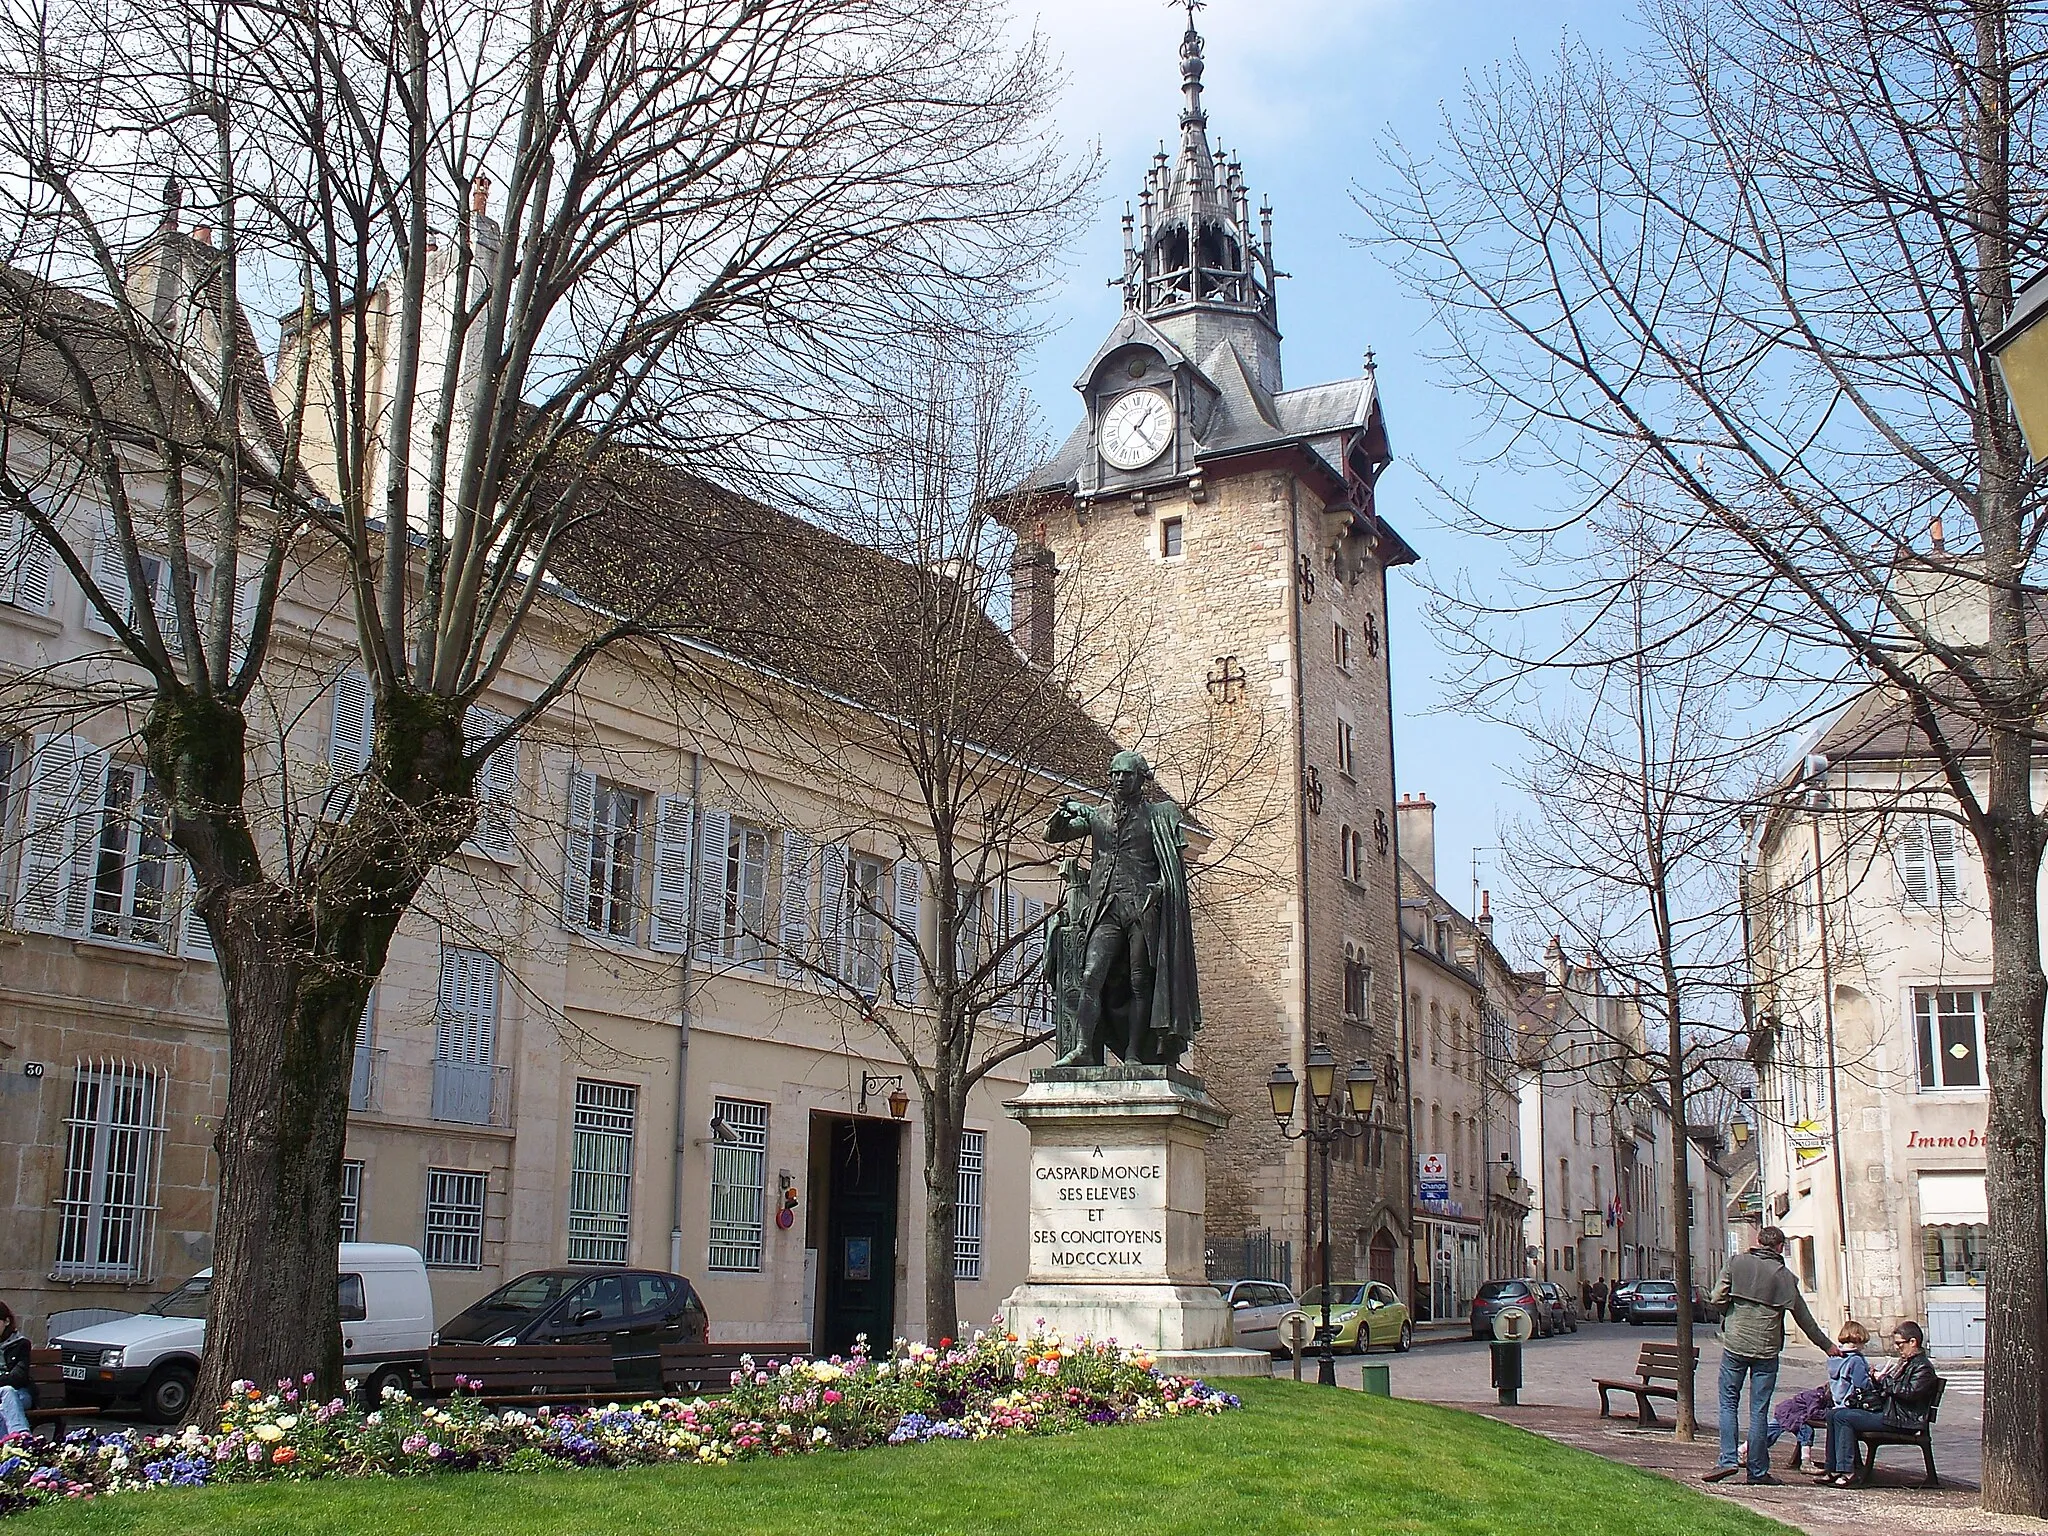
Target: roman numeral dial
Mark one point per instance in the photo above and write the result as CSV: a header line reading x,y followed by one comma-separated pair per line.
x,y
1136,428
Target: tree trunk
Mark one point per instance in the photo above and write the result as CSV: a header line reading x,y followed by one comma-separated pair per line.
x,y
941,1208
2015,1439
1686,1410
297,963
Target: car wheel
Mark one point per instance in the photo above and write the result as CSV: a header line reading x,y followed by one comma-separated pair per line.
x,y
169,1394
385,1376
1407,1340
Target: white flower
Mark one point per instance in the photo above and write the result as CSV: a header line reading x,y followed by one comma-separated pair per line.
x,y
269,1433
820,1433
288,1421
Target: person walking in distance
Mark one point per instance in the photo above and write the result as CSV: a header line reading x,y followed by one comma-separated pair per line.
x,y
1754,1293
1600,1300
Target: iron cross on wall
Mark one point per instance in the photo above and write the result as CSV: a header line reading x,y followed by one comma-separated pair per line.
x,y
1227,681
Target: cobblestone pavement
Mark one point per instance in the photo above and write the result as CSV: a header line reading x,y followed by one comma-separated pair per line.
x,y
1558,1400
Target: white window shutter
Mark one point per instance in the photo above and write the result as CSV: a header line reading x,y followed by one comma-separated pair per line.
x,y
355,718
1031,911
1011,960
1913,861
669,930
60,828
576,864
24,563
903,964
194,941
242,622
467,1017
832,908
793,923
497,782
1941,848
714,845
111,578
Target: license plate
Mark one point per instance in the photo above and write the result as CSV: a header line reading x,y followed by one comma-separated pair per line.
x,y
74,1373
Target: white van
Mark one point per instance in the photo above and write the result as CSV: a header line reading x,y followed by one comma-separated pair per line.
x,y
151,1359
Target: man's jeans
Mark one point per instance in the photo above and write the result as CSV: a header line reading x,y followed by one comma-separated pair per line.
x,y
13,1411
1763,1380
1843,1424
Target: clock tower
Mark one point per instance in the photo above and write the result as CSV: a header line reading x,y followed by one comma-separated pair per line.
x,y
1204,564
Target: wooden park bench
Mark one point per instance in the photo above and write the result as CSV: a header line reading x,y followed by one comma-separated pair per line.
x,y
1656,1366
1868,1441
525,1373
705,1370
46,1370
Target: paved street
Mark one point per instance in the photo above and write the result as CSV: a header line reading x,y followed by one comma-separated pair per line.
x,y
1557,1374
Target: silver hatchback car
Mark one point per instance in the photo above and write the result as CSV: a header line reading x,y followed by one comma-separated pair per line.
x,y
1256,1307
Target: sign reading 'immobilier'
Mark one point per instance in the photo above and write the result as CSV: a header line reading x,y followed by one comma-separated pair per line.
x,y
1098,1213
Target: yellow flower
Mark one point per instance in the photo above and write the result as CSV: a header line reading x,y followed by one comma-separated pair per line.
x,y
268,1433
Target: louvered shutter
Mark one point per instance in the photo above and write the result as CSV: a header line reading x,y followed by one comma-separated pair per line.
x,y
1913,861
576,863
793,923
832,909
242,623
714,847
194,941
67,777
1011,959
24,563
466,1022
1031,912
669,930
1941,849
903,963
109,575
496,785
354,721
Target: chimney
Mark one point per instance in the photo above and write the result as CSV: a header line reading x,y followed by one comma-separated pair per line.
x,y
1485,918
1031,573
1415,829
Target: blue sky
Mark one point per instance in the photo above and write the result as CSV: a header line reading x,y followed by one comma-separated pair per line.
x,y
1304,91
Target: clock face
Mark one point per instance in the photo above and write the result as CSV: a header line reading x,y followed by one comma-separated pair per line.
x,y
1136,428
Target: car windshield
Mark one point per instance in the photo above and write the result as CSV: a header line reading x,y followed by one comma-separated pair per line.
x,y
529,1293
1494,1289
1340,1296
188,1300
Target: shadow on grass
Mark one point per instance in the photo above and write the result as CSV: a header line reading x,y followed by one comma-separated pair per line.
x,y
1298,1461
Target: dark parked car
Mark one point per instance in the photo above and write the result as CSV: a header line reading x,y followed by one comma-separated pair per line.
x,y
1564,1312
636,1310
1496,1294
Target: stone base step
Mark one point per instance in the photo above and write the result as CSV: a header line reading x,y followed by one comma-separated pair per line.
x,y
1210,1364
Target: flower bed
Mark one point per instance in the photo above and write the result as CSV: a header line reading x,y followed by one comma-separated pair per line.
x,y
996,1385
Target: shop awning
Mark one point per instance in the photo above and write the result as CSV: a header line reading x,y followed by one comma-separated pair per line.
x,y
1953,1199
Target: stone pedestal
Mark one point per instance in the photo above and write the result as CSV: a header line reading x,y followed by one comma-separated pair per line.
x,y
1118,1168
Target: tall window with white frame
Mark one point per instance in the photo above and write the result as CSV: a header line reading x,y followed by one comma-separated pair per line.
x,y
614,860
454,1236
601,1172
351,1200
867,892
967,1207
739,1168
113,1152
1948,1038
134,867
745,926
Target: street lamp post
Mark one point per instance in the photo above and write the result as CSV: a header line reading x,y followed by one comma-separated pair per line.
x,y
1326,1120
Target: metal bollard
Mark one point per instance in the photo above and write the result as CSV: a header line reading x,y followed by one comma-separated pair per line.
x,y
1295,1325
1512,1327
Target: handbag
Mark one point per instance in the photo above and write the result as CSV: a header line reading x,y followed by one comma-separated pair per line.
x,y
1867,1397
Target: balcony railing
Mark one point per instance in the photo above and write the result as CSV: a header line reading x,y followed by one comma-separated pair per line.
x,y
469,1094
366,1082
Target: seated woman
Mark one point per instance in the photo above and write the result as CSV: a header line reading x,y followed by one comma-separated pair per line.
x,y
1903,1392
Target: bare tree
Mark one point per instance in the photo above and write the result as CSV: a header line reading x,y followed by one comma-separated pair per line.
x,y
508,249
1758,260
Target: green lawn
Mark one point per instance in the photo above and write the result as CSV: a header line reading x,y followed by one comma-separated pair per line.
x,y
1297,1461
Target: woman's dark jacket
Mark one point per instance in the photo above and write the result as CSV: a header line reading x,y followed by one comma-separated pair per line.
x,y
14,1366
1908,1388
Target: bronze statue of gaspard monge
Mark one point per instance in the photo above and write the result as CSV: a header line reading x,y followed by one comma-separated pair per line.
x,y
1120,953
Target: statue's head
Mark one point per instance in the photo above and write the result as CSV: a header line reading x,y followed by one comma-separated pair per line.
x,y
1128,772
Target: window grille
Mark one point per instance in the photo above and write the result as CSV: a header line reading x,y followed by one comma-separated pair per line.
x,y
738,1171
601,1172
113,1154
351,1200
454,1219
967,1207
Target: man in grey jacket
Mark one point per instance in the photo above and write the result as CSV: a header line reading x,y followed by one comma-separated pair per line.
x,y
1754,1293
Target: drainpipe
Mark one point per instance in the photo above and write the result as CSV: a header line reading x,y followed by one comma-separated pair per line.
x,y
1301,860
675,1231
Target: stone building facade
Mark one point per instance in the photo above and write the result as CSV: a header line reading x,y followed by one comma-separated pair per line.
x,y
629,1023
1206,548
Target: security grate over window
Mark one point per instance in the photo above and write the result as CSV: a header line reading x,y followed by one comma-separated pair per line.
x,y
601,1172
967,1207
454,1219
739,1165
113,1153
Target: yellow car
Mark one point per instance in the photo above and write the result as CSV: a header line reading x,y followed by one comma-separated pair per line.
x,y
1363,1314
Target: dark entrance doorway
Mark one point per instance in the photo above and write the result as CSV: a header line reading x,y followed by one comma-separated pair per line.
x,y
859,1261
1379,1263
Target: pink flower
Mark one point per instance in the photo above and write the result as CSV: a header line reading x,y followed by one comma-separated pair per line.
x,y
831,1396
